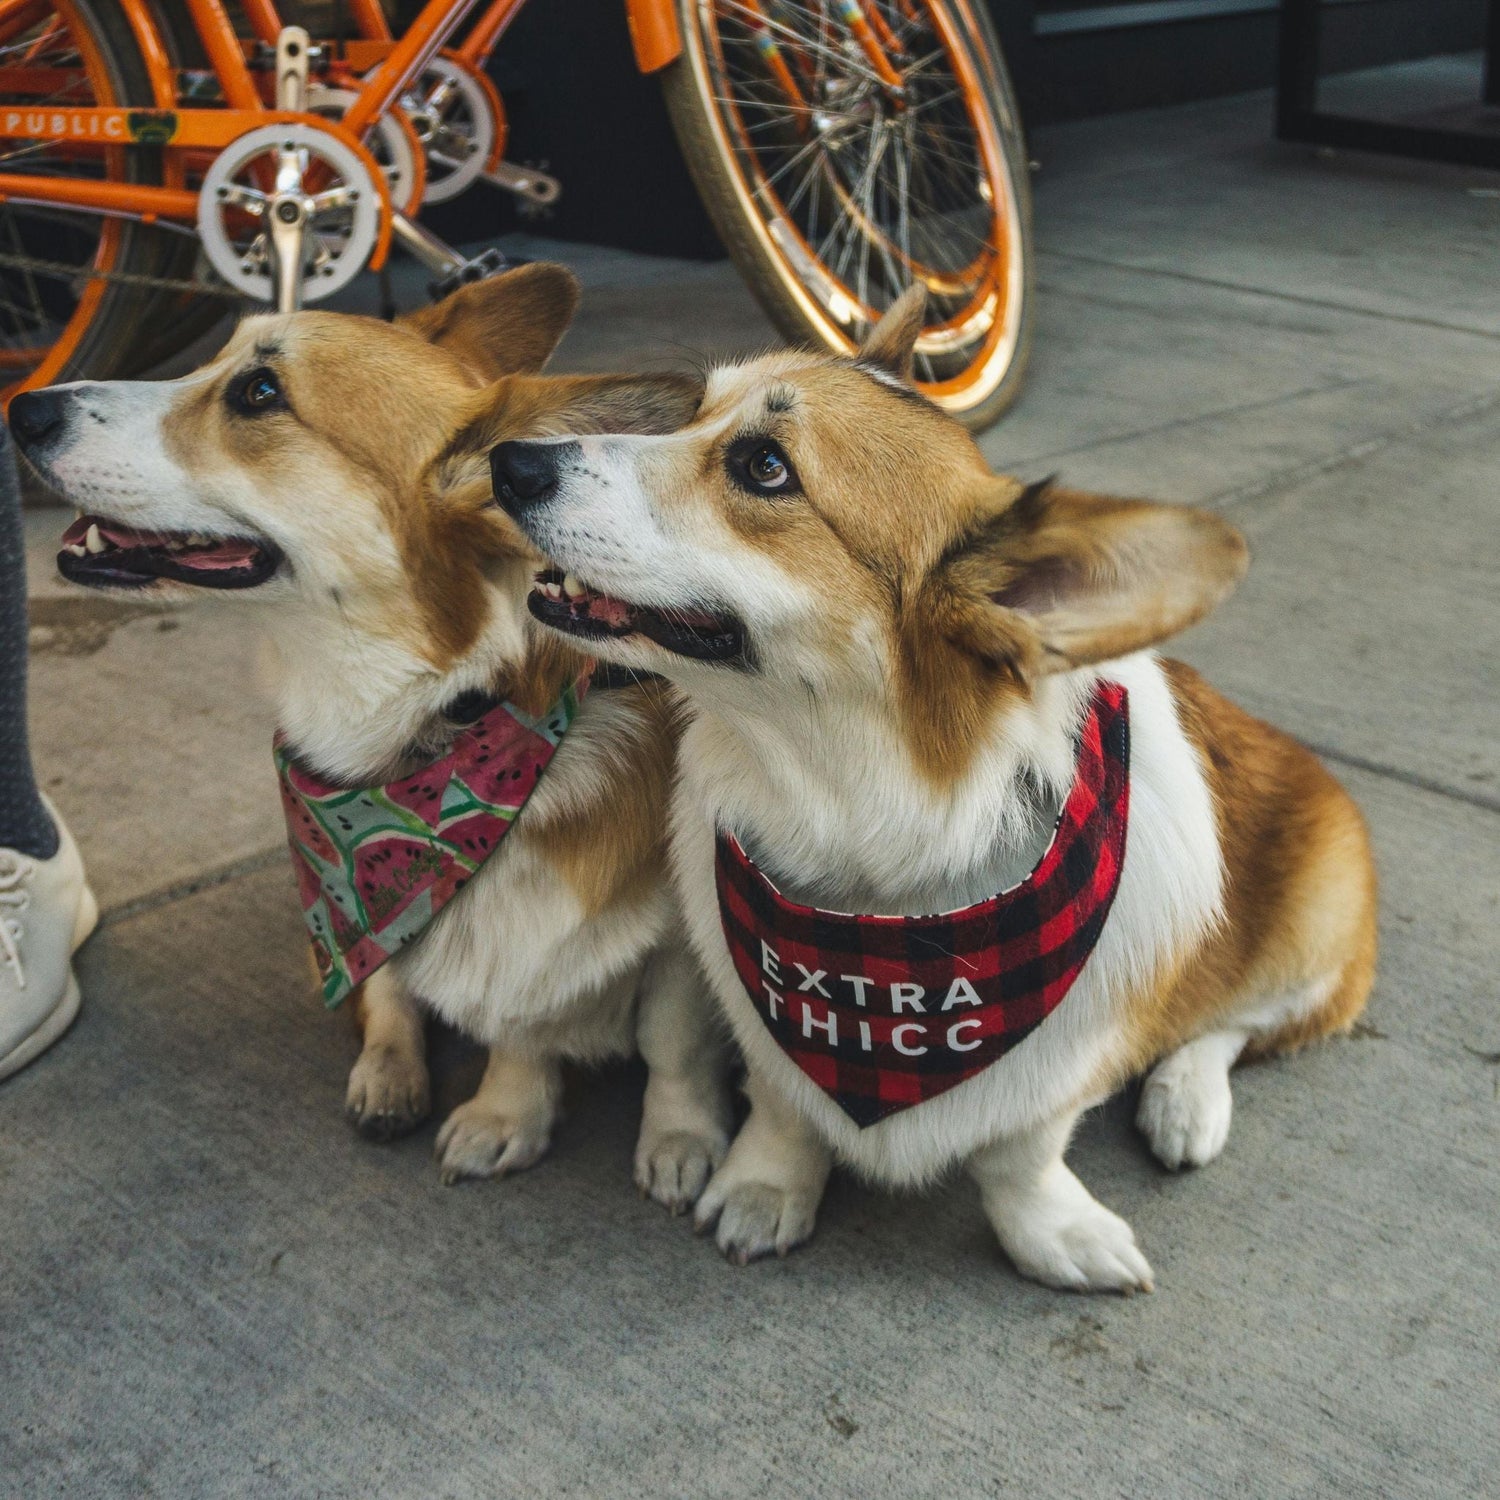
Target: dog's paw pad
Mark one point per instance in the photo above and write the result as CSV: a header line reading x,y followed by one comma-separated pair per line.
x,y
756,1219
477,1142
1185,1110
1090,1250
388,1094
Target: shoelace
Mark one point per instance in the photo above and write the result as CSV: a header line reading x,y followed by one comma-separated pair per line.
x,y
14,874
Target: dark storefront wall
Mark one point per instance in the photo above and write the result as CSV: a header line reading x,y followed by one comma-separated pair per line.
x,y
1094,57
578,106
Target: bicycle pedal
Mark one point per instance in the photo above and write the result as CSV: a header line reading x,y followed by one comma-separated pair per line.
x,y
487,263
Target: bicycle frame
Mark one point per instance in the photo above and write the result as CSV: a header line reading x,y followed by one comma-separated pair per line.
x,y
178,129
397,63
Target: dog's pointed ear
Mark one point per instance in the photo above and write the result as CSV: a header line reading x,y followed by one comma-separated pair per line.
x,y
891,345
507,324
1053,578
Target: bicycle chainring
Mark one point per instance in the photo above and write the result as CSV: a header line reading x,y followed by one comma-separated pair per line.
x,y
344,209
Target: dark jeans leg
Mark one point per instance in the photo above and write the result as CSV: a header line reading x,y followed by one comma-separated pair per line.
x,y
24,822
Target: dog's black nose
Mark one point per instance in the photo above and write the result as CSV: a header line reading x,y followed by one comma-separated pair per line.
x,y
525,474
33,414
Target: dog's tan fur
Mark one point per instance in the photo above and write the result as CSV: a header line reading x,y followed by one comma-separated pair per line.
x,y
1299,891
921,637
404,586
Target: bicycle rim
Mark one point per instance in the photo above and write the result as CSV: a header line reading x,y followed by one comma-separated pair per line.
x,y
855,189
51,55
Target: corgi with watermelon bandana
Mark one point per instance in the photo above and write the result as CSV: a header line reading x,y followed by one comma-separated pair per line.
x,y
477,821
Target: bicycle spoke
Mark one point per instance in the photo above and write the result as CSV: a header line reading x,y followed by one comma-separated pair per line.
x,y
813,145
868,204
794,39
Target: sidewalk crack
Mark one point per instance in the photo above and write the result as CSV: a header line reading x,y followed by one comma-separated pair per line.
x,y
1484,803
1218,414
1285,481
1248,290
238,869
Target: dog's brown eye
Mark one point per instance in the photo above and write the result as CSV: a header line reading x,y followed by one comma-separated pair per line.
x,y
761,467
258,392
768,468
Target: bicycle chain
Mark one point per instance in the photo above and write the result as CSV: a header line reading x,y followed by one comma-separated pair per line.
x,y
68,272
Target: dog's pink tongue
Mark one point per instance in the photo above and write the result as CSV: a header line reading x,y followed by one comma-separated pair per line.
x,y
211,556
219,555
112,531
612,612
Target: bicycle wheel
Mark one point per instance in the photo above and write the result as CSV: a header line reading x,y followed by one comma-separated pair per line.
x,y
846,148
60,319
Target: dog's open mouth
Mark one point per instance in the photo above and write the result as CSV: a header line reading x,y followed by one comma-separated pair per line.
x,y
106,554
561,601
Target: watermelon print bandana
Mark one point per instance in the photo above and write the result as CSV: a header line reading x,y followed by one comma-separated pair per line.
x,y
885,1012
376,864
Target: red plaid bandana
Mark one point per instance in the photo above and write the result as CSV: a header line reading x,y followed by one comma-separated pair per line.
x,y
885,1012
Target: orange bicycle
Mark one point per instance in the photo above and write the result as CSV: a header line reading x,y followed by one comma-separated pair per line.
x,y
153,159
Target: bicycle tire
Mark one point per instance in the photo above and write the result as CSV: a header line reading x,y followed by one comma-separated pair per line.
x,y
104,341
708,105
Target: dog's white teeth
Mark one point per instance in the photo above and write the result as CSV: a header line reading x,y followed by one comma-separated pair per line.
x,y
571,587
76,550
92,541
196,539
552,590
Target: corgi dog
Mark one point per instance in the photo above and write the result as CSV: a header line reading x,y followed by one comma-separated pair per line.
x,y
333,469
918,687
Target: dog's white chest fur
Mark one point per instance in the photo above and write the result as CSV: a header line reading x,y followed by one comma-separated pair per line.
x,y
515,957
1170,893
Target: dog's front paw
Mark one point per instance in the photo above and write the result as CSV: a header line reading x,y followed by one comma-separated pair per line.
x,y
477,1141
1085,1248
756,1219
1185,1107
388,1093
673,1166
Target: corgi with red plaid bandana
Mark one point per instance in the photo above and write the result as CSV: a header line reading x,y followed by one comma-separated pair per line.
x,y
959,852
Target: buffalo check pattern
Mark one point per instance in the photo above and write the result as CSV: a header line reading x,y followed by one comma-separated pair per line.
x,y
884,1012
375,865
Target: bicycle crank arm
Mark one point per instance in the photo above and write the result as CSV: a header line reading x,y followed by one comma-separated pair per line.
x,y
287,216
423,245
525,182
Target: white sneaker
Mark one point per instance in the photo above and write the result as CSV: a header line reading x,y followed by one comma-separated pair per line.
x,y
46,911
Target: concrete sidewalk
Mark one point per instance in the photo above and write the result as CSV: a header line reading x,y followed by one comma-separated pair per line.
x,y
209,1286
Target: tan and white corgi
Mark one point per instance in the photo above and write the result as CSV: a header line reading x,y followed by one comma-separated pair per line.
x,y
332,468
897,664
